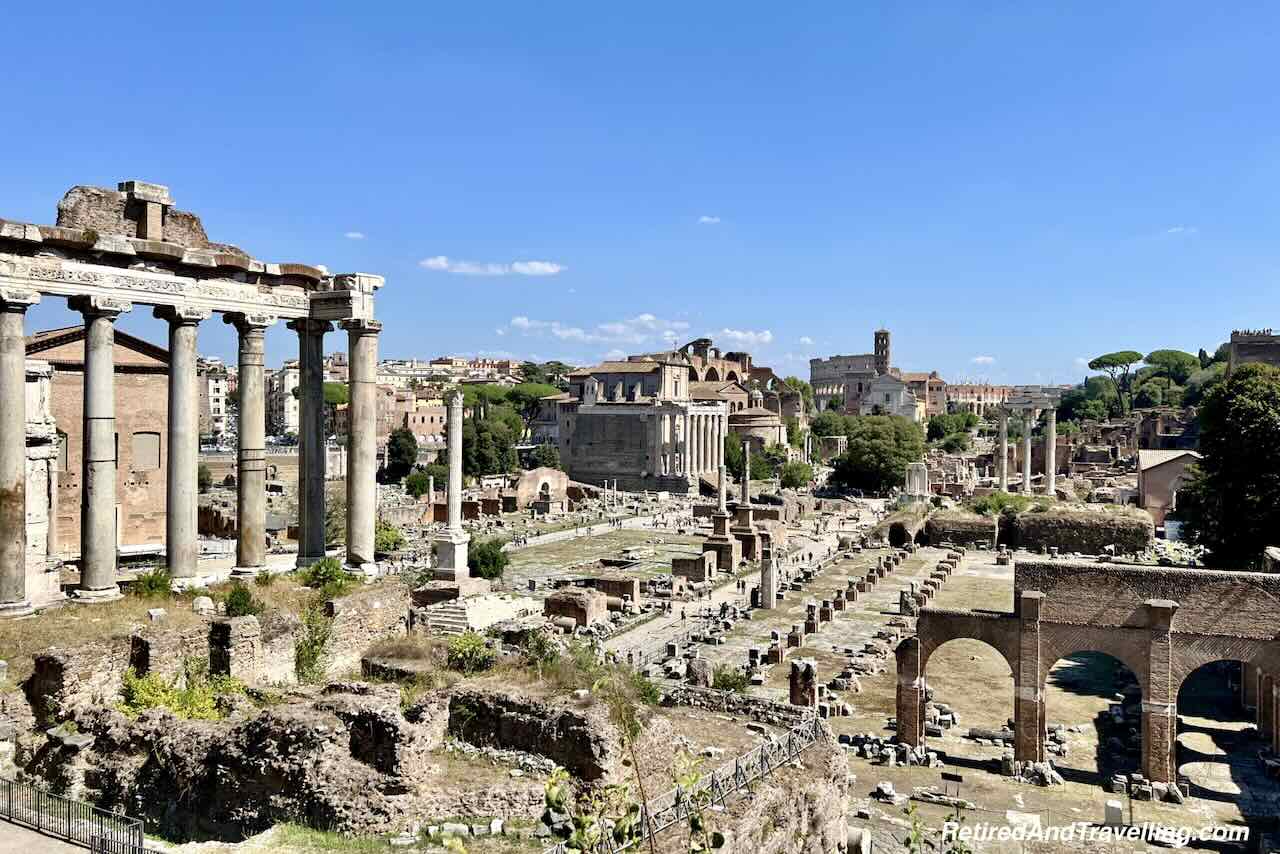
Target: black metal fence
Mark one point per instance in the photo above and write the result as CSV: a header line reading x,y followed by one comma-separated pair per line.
x,y
674,806
75,821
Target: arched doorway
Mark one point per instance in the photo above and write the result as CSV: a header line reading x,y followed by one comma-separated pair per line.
x,y
712,375
732,376
693,375
1217,739
544,492
1093,717
972,681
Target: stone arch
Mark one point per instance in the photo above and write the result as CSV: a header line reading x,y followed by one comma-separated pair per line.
x,y
1110,757
1130,649
1211,717
731,376
693,374
712,375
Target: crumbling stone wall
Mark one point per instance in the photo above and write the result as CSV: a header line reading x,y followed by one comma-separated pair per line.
x,y
163,651
961,528
581,605
65,678
366,616
733,703
1087,531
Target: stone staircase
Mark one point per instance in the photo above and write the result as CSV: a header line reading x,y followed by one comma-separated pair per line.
x,y
448,618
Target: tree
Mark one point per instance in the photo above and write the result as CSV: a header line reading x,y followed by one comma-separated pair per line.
x,y
1117,365
545,456
1175,365
835,404
1231,505
828,424
795,435
941,426
795,475
1201,382
526,399
402,454
336,394
954,443
204,477
733,456
386,537
486,559
416,483
880,447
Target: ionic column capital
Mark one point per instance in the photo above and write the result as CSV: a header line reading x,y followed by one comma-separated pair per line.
x,y
180,315
250,323
361,326
18,299
310,326
99,306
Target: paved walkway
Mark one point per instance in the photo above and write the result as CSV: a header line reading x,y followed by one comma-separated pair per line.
x,y
16,839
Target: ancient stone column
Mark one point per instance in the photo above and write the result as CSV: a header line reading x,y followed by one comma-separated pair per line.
x,y
251,461
746,472
768,580
910,693
13,451
722,493
182,548
362,462
1028,691
98,488
1050,454
311,439
451,549
695,446
1028,421
1004,449
1159,695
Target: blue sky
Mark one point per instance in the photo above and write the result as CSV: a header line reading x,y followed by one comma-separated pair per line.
x,y
1009,189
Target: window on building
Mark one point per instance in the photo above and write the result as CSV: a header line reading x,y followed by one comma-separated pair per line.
x,y
146,451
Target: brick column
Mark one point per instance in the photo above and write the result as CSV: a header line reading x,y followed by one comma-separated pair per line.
x,y
910,693
13,452
1159,697
1028,700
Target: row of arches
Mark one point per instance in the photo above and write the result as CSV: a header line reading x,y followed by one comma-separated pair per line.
x,y
711,375
1101,691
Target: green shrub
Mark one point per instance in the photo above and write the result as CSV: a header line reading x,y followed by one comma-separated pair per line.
x,y
242,603
999,502
328,577
795,475
310,646
727,678
197,700
539,650
487,559
153,584
264,578
386,537
468,653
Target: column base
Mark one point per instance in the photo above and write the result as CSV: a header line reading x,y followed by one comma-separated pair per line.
x,y
451,556
368,570
95,597
246,571
10,610
199,582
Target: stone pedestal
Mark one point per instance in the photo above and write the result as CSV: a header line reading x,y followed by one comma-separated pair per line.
x,y
451,556
727,548
803,683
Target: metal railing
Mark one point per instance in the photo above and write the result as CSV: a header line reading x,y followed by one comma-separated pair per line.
x,y
674,806
75,821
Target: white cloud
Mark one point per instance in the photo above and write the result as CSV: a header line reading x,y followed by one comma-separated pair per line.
x,y
708,220
500,331
1181,229
354,235
639,330
745,337
445,264
1082,361
983,360
806,340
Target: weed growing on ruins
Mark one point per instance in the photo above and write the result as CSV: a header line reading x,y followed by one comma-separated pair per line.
x,y
623,692
728,678
309,647
153,584
297,837
264,578
328,577
468,653
956,845
999,502
702,836
582,824
196,700
538,651
916,840
386,537
241,602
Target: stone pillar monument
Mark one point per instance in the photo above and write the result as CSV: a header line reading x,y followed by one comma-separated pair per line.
x,y
251,465
1004,449
722,492
182,548
98,543
768,579
311,439
746,473
362,462
451,548
1050,454
1028,421
14,601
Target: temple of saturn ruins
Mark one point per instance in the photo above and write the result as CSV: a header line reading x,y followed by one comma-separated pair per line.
x,y
112,250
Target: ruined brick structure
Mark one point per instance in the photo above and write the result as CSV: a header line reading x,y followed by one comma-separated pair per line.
x,y
1161,623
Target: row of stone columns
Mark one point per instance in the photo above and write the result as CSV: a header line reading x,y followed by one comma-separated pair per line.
x,y
98,535
1050,451
704,442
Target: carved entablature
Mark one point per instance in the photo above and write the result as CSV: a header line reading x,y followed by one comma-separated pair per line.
x,y
163,259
